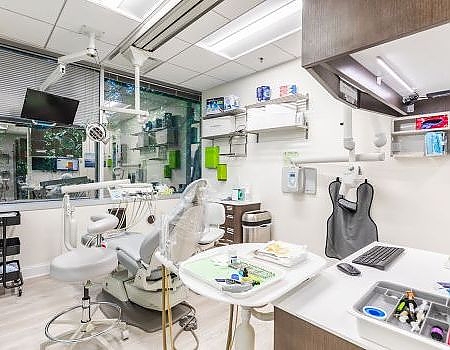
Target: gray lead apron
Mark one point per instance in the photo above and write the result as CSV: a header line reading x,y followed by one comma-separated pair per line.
x,y
350,227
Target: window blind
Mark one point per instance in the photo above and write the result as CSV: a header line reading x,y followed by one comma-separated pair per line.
x,y
19,71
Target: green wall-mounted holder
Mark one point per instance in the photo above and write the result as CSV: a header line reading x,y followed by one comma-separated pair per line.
x,y
222,172
167,171
174,159
212,157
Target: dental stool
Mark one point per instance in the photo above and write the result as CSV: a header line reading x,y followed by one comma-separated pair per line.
x,y
85,265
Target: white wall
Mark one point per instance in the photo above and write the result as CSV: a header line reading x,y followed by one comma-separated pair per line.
x,y
411,195
41,233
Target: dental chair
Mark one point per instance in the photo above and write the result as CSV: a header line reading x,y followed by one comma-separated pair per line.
x,y
85,266
138,276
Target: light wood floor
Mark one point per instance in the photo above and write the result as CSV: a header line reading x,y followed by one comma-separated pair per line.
x,y
22,321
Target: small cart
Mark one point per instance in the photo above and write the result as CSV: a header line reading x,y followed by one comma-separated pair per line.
x,y
10,272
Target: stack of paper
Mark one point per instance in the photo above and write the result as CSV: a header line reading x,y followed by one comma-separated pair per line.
x,y
282,253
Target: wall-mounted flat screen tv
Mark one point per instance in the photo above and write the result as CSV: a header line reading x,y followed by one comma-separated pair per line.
x,y
48,108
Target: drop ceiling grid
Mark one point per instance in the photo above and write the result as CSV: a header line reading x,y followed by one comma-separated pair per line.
x,y
66,12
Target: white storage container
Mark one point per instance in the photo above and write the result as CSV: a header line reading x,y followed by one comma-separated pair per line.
x,y
274,116
393,334
218,126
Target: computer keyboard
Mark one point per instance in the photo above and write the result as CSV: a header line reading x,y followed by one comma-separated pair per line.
x,y
379,256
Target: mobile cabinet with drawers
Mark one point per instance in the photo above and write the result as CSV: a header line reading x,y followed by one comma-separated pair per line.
x,y
233,220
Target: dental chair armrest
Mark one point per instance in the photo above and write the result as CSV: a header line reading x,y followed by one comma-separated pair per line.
x,y
167,263
102,223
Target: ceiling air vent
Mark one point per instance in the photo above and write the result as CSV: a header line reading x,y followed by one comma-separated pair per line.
x,y
178,18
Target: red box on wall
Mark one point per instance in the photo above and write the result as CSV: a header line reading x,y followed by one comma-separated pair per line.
x,y
433,122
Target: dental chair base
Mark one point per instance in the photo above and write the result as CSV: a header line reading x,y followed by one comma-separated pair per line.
x,y
141,291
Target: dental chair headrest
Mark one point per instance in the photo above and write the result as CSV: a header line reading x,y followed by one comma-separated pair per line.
x,y
193,195
102,223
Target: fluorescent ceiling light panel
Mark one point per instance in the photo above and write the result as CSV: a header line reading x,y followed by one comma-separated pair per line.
x,y
268,22
394,74
135,9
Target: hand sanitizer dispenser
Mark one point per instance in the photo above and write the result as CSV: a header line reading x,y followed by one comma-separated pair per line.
x,y
299,180
291,180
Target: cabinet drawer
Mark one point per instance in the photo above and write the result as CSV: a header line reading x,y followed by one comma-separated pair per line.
x,y
229,230
229,209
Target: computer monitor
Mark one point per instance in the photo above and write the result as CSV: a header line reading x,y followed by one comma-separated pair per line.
x,y
67,164
45,107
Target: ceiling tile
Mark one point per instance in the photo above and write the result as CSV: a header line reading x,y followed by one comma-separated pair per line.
x,y
115,26
201,28
230,71
66,42
23,29
232,9
271,54
291,44
173,47
44,10
171,73
202,82
198,59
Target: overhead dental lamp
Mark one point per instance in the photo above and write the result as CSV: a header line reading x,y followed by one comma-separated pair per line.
x,y
88,53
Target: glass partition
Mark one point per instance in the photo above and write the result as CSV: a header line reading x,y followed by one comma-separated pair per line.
x,y
162,148
36,162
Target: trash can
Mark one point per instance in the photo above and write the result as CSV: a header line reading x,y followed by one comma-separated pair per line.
x,y
256,226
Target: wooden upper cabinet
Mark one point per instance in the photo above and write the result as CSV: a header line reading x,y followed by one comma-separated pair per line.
x,y
332,28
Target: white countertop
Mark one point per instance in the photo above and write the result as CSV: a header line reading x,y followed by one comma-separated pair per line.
x,y
293,276
239,202
325,300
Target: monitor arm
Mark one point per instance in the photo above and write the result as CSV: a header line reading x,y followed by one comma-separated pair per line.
x,y
60,70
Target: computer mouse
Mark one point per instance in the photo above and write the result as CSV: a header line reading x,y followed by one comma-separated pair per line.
x,y
348,269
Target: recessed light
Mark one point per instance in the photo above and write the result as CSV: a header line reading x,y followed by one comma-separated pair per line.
x,y
270,21
136,9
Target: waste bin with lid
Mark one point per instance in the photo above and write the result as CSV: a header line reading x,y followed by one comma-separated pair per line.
x,y
256,226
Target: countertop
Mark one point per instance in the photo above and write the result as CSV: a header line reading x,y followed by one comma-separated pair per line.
x,y
325,301
238,202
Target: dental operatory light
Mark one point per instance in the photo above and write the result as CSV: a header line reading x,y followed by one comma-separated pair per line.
x,y
388,69
266,23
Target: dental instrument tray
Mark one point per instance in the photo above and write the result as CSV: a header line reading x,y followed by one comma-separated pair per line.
x,y
412,319
214,268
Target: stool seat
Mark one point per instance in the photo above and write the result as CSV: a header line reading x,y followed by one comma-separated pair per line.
x,y
82,264
213,234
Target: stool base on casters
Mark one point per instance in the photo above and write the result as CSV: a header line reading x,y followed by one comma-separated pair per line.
x,y
86,327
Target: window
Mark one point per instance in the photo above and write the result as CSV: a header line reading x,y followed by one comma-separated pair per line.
x,y
34,162
161,149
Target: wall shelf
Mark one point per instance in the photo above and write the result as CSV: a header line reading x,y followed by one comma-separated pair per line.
x,y
417,132
409,142
280,128
231,112
229,135
297,98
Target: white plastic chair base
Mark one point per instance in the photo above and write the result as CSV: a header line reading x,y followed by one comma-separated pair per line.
x,y
80,332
